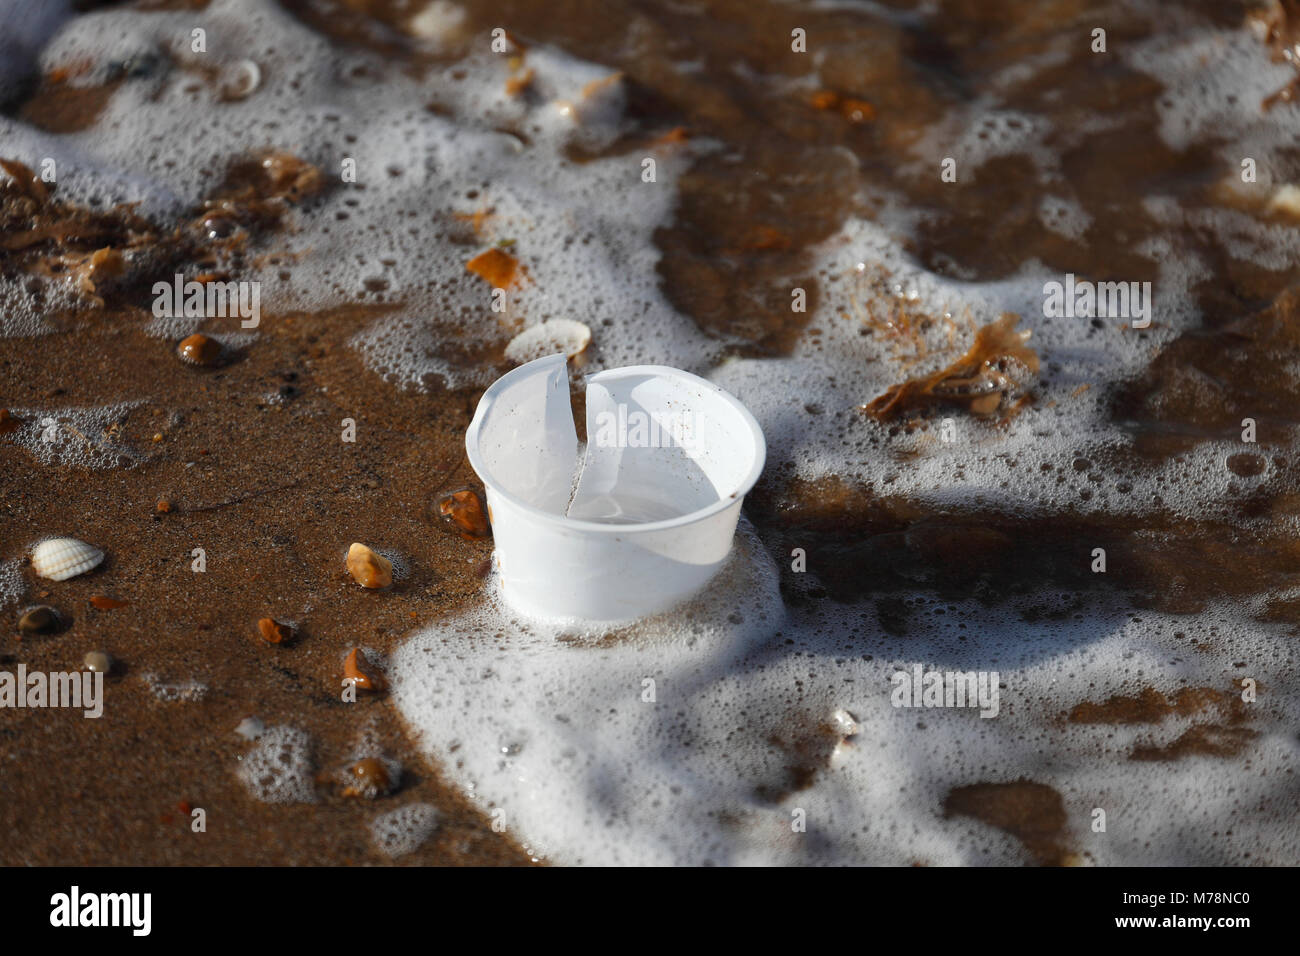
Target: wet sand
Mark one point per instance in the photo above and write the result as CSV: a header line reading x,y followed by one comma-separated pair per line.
x,y
249,458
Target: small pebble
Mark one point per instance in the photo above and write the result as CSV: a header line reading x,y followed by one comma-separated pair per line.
x,y
352,671
41,619
219,227
250,728
163,506
273,632
106,603
99,662
199,349
845,724
241,80
463,512
367,568
367,778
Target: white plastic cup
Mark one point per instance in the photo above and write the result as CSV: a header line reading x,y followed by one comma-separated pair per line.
x,y
646,517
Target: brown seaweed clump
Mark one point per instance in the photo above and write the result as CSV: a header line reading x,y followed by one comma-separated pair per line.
x,y
43,236
992,376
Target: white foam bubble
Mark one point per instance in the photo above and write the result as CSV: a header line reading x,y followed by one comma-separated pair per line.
x,y
79,437
582,232
1064,216
745,732
1215,80
404,830
279,768
12,587
171,691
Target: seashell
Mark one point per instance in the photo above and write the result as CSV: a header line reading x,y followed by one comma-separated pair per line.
x,y
199,349
368,778
1286,200
368,569
242,80
41,619
495,266
547,338
219,227
273,632
845,724
61,558
462,512
250,728
352,671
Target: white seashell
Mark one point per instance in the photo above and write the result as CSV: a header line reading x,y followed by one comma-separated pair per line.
x,y
251,728
845,723
440,22
61,558
242,80
547,338
1286,200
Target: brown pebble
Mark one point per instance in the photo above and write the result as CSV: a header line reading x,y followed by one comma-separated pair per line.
x,y
199,349
368,569
368,778
41,619
462,512
352,671
273,632
99,662
107,603
163,506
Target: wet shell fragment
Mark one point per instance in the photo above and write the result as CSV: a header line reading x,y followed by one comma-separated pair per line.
x,y
41,619
241,80
547,338
495,267
462,513
368,778
61,558
367,568
250,728
273,632
352,671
